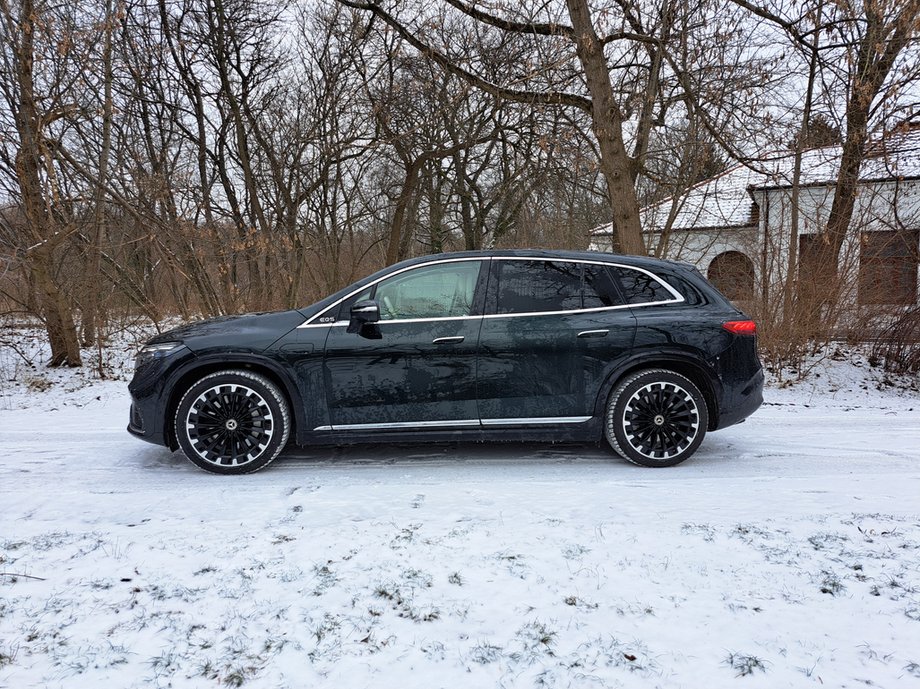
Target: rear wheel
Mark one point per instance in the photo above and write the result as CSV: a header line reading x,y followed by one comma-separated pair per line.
x,y
232,422
656,418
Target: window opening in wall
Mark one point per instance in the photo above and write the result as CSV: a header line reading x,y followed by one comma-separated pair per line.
x,y
888,263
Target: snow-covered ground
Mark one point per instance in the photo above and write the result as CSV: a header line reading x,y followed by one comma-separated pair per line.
x,y
786,553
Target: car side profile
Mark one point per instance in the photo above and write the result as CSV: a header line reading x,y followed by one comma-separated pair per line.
x,y
487,346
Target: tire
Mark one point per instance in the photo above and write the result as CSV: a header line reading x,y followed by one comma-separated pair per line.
x,y
656,418
232,422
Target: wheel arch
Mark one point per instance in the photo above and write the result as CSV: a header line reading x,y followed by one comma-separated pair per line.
x,y
200,368
697,371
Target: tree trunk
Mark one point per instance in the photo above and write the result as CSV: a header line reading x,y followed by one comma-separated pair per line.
x,y
608,128
58,317
885,38
792,295
258,222
56,311
400,212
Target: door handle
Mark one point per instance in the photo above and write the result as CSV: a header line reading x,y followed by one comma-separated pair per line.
x,y
593,333
448,340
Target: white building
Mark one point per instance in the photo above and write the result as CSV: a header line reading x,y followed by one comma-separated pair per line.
x,y
737,228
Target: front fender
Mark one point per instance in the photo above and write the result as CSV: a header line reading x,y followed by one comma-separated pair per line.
x,y
185,375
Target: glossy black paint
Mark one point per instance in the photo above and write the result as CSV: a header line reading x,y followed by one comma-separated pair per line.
x,y
418,373
397,372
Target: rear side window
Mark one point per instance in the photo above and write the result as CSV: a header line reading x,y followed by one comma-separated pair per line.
x,y
641,288
532,286
545,286
599,288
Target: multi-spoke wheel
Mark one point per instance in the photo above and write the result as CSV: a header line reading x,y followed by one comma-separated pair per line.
x,y
232,422
656,418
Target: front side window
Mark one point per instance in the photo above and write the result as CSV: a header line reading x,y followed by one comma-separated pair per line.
x,y
443,290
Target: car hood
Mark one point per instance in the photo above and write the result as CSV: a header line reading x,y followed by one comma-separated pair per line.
x,y
248,332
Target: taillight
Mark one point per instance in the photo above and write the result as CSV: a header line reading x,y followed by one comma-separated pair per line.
x,y
741,327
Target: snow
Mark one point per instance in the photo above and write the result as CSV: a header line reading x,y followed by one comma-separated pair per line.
x,y
786,553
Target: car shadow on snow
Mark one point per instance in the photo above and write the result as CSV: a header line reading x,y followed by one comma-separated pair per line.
x,y
414,453
714,452
494,453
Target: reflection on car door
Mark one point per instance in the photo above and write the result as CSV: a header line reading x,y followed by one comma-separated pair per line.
x,y
416,366
552,333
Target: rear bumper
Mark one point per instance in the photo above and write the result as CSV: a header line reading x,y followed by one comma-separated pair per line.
x,y
742,401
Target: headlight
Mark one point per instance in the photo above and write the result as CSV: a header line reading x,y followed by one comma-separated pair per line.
x,y
155,351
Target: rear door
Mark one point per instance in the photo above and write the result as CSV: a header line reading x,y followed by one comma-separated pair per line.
x,y
552,332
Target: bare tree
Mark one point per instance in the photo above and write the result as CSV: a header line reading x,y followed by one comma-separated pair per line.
x,y
600,103
35,105
868,65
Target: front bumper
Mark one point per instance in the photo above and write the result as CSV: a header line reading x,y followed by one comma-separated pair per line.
x,y
150,396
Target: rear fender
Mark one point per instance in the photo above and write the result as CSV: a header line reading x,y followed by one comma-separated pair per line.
x,y
695,368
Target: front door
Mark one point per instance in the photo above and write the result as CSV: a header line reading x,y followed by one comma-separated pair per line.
x,y
416,367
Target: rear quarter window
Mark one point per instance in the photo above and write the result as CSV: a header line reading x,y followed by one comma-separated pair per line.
x,y
691,294
639,287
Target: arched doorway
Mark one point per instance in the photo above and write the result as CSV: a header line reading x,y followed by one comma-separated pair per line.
x,y
733,275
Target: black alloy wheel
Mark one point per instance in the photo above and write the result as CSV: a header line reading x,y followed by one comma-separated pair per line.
x,y
232,422
656,418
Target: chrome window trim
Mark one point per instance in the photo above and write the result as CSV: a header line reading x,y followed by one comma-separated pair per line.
x,y
678,297
596,309
454,423
342,324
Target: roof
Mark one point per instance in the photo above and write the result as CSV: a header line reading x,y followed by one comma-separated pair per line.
x,y
551,254
726,200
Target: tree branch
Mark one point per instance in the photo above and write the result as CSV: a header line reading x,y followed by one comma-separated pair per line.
x,y
516,95
535,28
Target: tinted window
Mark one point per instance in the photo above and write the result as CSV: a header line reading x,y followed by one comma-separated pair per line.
x,y
538,286
641,288
599,288
438,291
530,286
690,292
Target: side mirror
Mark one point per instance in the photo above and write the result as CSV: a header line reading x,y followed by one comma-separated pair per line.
x,y
362,313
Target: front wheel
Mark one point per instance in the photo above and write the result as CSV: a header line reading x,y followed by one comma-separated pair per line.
x,y
232,422
656,418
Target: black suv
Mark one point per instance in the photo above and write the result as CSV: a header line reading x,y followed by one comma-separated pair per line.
x,y
493,345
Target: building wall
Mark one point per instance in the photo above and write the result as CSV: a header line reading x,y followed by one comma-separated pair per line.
x,y
880,206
